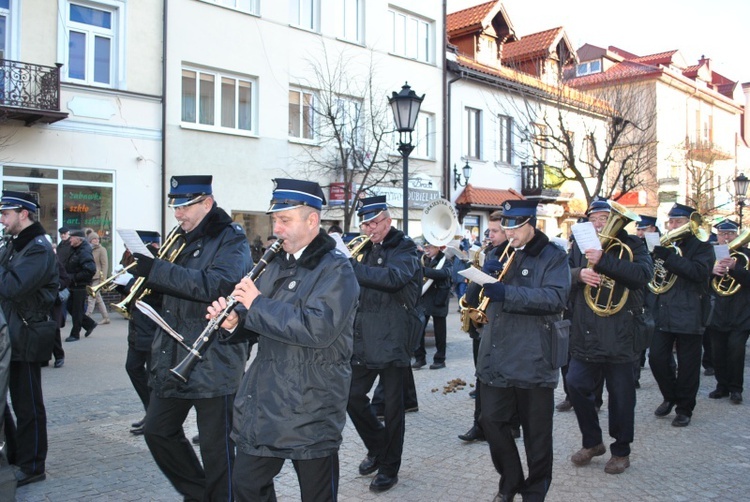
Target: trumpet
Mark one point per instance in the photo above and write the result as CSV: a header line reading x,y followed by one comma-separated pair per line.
x,y
138,290
356,246
108,284
726,285
185,367
478,315
663,279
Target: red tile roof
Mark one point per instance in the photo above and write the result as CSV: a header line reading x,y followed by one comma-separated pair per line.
x,y
492,197
469,18
536,45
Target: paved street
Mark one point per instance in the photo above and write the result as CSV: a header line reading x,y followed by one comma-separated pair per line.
x,y
92,456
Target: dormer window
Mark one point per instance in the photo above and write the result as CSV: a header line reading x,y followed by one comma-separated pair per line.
x,y
588,68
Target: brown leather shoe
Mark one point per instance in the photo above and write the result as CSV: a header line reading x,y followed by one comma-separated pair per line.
x,y
617,465
584,455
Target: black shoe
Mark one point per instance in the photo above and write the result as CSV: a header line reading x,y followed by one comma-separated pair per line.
x,y
72,339
709,372
411,409
88,331
637,384
664,409
59,362
419,363
736,397
139,423
383,482
24,479
718,394
473,434
564,405
437,366
681,421
473,394
197,439
368,465
515,431
137,431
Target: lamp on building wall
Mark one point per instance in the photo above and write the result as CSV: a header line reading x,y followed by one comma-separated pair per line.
x,y
741,183
405,106
457,176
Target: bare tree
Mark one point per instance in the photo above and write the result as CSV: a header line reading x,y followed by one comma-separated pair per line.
x,y
352,127
701,160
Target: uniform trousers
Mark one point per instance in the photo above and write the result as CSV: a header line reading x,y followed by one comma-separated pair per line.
x,y
77,306
27,438
440,326
677,385
253,478
729,359
137,366
535,408
583,380
386,443
174,454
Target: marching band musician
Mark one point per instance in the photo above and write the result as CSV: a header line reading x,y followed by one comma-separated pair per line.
x,y
292,400
730,323
517,366
605,346
435,302
680,315
215,257
390,280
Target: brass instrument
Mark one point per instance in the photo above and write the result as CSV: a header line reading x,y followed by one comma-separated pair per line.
x,y
108,284
663,280
138,291
356,246
478,315
602,300
726,285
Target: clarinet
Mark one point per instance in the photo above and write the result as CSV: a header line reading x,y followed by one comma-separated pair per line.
x,y
185,367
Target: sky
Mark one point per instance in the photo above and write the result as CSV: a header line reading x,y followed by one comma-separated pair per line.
x,y
715,29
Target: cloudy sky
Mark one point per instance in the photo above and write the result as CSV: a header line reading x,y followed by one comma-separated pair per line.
x,y
716,29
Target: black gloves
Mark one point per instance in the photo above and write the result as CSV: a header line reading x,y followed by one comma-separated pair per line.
x,y
143,268
661,252
495,291
492,267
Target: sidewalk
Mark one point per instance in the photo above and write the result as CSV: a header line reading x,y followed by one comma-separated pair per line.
x,y
92,456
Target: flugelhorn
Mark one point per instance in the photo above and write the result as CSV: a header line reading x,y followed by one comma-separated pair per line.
x,y
138,289
109,284
726,285
356,245
185,367
663,279
603,300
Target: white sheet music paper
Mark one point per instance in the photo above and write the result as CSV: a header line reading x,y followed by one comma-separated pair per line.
x,y
721,251
477,276
652,240
340,244
586,236
133,241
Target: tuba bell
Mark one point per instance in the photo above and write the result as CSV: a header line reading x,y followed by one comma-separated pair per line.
x,y
726,285
609,298
663,279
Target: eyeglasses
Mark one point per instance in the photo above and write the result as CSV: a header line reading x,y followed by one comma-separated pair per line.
x,y
372,223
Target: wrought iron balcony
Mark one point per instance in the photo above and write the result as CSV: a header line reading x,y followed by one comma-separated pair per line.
x,y
30,92
532,179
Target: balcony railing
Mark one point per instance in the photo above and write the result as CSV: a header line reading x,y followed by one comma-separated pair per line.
x,y
30,92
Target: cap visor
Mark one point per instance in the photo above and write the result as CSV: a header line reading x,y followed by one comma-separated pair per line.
x,y
511,223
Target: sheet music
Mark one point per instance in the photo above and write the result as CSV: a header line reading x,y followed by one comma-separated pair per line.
x,y
721,251
563,243
586,236
340,244
133,241
152,314
477,276
652,240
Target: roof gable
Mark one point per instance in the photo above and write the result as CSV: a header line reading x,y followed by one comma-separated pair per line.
x,y
536,46
489,16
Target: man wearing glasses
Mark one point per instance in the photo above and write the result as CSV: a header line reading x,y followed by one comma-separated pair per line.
x,y
390,280
518,366
215,257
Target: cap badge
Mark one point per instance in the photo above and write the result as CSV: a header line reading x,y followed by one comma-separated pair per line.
x,y
507,206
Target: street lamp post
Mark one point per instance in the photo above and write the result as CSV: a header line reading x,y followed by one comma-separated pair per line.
x,y
457,176
405,105
740,190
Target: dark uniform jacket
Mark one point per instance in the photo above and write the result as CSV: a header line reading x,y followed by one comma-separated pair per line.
x,y
732,312
516,349
609,339
292,400
685,307
80,266
216,256
436,298
28,282
390,280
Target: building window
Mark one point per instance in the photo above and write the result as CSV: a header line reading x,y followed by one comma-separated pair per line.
x,y
305,14
352,20
4,25
505,139
217,100
424,135
249,6
588,68
301,114
348,120
412,36
91,43
473,135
